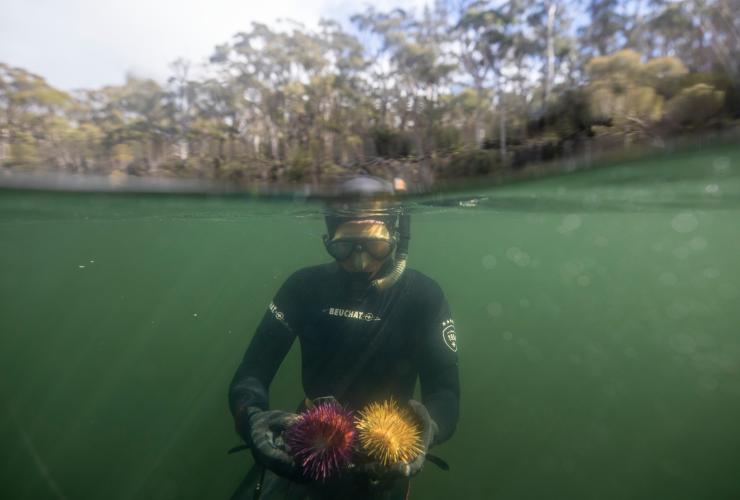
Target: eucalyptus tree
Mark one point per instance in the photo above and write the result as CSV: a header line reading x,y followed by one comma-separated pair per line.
x,y
253,71
550,21
325,98
471,57
430,64
522,60
294,89
350,111
719,26
491,25
33,117
413,57
182,95
147,119
604,32
673,30
382,33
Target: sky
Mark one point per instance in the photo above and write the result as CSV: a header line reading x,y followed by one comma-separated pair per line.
x,y
91,43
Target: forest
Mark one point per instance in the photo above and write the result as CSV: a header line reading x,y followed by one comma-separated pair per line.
x,y
458,89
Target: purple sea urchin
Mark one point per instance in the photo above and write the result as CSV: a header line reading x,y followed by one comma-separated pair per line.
x,y
388,434
322,440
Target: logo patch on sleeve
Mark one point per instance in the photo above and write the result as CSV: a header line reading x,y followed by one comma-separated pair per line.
x,y
448,334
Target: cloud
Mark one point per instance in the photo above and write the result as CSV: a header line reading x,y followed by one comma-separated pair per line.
x,y
89,43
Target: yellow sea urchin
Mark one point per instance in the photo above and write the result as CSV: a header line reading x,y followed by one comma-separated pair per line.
x,y
387,433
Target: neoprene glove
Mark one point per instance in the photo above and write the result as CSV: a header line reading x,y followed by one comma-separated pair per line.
x,y
266,437
429,430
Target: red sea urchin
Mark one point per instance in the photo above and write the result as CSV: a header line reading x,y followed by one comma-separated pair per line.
x,y
322,440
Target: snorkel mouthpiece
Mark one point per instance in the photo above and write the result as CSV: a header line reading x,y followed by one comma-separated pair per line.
x,y
391,278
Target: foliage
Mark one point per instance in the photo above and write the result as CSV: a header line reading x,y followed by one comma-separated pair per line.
x,y
695,106
472,86
470,163
629,95
390,143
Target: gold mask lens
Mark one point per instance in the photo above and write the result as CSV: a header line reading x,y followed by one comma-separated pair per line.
x,y
358,237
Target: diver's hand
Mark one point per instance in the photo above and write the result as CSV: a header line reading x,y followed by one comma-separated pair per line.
x,y
268,448
429,430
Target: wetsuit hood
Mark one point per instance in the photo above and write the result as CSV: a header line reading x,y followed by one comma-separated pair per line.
x,y
370,198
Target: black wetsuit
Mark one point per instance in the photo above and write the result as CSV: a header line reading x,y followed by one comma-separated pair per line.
x,y
357,344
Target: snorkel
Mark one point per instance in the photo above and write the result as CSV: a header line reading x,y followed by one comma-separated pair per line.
x,y
401,256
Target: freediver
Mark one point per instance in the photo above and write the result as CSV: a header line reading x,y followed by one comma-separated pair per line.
x,y
368,327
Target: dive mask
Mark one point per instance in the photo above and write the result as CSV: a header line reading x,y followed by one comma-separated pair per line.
x,y
357,236
341,249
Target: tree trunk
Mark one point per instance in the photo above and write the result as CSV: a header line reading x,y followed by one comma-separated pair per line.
x,y
274,145
550,56
636,36
4,149
477,125
502,120
383,104
502,132
418,131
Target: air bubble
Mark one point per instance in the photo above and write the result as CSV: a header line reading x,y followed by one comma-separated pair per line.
x,y
698,243
685,222
494,309
721,164
520,258
489,261
569,224
682,252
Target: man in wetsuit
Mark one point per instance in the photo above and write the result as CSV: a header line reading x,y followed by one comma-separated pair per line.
x,y
367,327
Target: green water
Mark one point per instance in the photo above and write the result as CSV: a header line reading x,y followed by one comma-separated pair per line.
x,y
598,323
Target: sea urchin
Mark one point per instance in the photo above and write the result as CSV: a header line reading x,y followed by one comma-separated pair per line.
x,y
387,433
322,440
